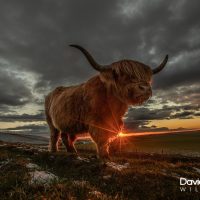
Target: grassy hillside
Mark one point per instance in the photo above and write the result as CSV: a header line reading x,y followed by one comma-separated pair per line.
x,y
186,143
31,172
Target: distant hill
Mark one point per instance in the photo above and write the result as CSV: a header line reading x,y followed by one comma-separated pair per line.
x,y
15,137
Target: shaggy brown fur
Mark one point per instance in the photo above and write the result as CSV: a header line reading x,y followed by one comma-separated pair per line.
x,y
97,106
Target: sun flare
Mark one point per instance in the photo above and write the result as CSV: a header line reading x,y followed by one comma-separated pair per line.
x,y
121,134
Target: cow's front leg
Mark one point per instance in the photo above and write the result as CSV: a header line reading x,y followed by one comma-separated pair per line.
x,y
103,149
101,138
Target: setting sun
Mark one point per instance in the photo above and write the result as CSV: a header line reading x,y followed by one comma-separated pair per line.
x,y
121,134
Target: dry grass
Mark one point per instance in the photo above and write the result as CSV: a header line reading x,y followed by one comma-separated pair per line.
x,y
147,176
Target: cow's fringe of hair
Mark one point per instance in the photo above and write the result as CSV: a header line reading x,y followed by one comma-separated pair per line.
x,y
132,68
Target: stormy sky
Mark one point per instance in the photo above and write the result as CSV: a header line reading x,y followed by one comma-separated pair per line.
x,y
35,56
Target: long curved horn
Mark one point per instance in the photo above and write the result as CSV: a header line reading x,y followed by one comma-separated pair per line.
x,y
161,66
90,59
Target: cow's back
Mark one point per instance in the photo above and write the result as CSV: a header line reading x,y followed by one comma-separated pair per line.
x,y
65,107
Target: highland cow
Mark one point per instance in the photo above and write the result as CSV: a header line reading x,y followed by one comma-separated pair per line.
x,y
98,105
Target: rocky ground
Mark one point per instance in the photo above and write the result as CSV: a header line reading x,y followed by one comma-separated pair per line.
x,y
31,172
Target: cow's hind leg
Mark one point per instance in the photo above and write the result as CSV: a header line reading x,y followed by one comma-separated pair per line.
x,y
54,137
68,141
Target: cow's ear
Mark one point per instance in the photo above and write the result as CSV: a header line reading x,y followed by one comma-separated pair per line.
x,y
106,77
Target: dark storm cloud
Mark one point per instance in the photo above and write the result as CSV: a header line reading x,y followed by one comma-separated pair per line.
x,y
185,95
35,34
147,114
185,72
34,38
183,115
166,112
14,91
